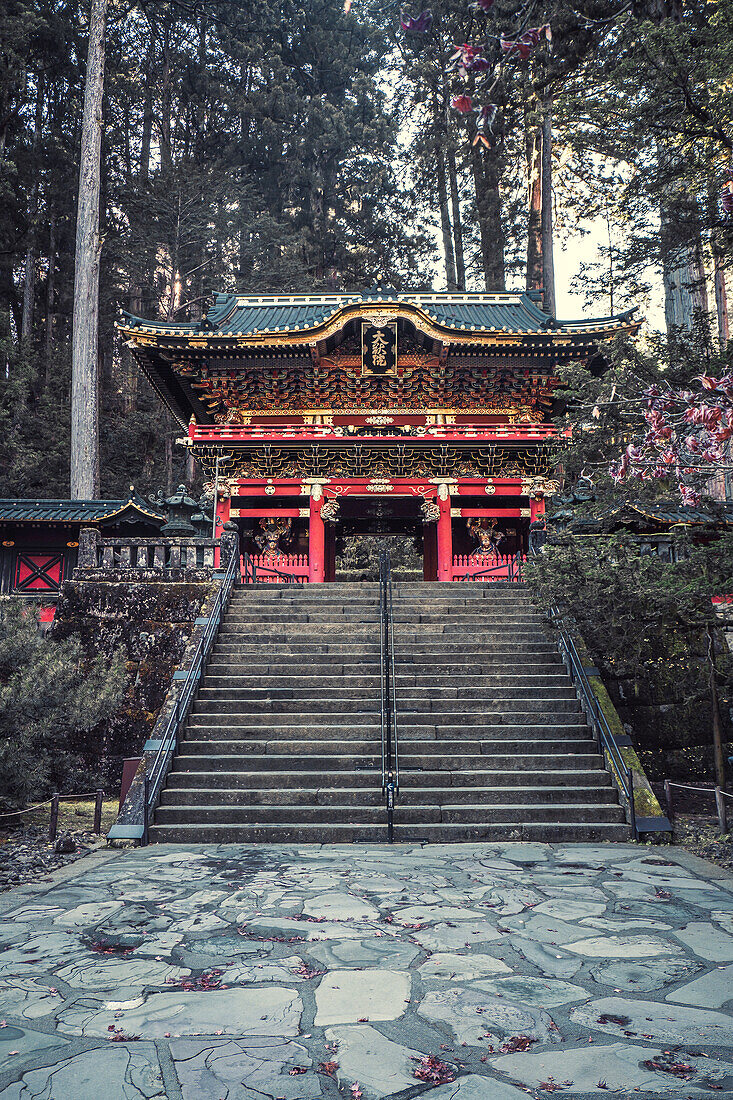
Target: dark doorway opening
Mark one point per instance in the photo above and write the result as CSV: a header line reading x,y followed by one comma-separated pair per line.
x,y
368,525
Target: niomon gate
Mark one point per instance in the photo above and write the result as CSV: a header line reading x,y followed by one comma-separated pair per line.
x,y
319,418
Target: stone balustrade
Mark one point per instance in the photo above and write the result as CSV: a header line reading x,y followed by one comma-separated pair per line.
x,y
154,555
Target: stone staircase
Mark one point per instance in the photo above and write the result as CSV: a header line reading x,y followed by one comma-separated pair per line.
x,y
283,742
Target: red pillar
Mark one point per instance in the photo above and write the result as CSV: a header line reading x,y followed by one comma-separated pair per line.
x,y
316,542
445,542
536,508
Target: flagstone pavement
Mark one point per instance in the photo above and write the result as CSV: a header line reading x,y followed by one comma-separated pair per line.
x,y
241,973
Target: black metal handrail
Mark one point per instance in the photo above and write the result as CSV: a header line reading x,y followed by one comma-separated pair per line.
x,y
249,570
155,778
390,753
623,775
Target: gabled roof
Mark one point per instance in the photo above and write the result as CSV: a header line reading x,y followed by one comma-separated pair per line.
x,y
665,513
233,315
38,510
670,511
306,328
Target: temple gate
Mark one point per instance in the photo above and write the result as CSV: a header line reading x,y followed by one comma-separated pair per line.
x,y
306,410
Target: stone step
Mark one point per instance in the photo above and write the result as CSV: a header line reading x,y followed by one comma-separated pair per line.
x,y
345,680
359,796
361,633
425,747
364,710
368,815
284,739
244,673
444,722
306,735
556,755
348,617
367,780
364,589
400,605
362,625
547,832
410,696
423,652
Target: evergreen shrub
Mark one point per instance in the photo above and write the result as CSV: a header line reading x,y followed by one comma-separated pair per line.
x,y
51,699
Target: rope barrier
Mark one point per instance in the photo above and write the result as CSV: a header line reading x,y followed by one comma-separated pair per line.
x,y
27,810
40,805
703,790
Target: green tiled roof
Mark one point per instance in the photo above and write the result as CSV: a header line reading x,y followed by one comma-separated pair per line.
x,y
235,315
669,511
664,512
38,510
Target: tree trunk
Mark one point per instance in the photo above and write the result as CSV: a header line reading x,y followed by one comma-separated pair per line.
x,y
50,297
450,154
717,248
721,298
486,167
31,256
84,352
685,291
680,241
718,754
548,258
147,127
169,431
534,221
445,225
166,141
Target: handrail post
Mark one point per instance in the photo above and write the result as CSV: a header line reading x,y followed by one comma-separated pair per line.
x,y
390,808
722,810
53,821
669,801
146,811
632,807
388,707
98,811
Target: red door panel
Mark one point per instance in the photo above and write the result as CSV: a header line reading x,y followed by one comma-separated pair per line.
x,y
39,572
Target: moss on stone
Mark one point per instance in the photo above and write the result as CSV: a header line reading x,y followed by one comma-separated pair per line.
x,y
150,622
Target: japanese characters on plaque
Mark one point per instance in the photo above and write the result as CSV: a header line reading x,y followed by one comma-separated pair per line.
x,y
378,349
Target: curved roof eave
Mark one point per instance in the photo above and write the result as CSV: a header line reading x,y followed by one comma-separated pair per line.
x,y
456,318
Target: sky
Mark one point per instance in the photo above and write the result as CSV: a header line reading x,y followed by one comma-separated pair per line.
x,y
570,255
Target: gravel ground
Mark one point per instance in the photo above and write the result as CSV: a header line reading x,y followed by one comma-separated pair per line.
x,y
27,853
700,835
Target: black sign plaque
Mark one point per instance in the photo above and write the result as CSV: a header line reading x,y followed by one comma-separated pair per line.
x,y
378,349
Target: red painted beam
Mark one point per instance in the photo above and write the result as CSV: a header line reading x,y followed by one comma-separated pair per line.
x,y
493,513
265,513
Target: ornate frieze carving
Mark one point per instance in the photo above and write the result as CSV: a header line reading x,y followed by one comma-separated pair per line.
x,y
437,462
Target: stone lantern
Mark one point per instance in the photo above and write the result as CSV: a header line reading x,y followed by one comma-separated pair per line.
x,y
181,509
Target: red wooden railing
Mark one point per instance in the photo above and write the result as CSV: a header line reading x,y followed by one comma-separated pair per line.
x,y
271,570
488,567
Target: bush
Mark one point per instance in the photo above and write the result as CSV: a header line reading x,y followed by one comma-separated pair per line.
x,y
49,696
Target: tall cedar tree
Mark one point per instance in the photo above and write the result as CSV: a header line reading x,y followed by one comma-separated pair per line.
x,y
246,147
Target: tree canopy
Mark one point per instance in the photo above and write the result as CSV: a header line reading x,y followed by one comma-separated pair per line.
x,y
291,146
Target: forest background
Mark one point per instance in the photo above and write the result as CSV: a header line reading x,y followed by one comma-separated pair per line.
x,y
266,146
283,146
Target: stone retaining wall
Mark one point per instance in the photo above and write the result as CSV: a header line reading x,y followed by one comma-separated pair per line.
x,y
150,621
